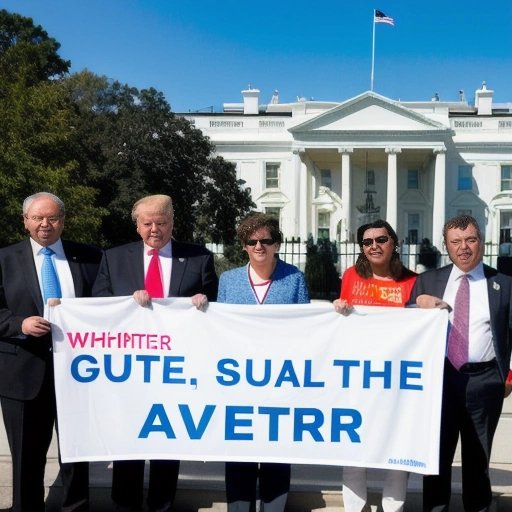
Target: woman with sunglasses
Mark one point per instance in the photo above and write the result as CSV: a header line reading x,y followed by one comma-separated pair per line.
x,y
264,280
377,279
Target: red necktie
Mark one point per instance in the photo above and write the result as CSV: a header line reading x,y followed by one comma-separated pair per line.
x,y
153,283
458,340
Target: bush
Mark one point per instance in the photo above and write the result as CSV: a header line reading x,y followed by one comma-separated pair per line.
x,y
320,272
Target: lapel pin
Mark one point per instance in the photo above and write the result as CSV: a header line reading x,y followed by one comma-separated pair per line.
x,y
496,285
181,260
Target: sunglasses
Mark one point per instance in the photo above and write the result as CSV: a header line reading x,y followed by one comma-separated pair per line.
x,y
378,240
262,241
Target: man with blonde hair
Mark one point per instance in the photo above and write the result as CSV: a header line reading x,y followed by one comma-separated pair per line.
x,y
155,267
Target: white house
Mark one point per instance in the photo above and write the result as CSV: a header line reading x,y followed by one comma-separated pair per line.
x,y
326,167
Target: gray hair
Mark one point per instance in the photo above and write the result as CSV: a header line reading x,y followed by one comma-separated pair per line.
x,y
30,199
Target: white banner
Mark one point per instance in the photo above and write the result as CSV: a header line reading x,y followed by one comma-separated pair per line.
x,y
276,383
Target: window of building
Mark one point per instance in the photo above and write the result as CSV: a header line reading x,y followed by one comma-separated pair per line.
x,y
506,177
413,228
326,178
324,221
466,211
505,227
272,175
274,211
465,179
413,179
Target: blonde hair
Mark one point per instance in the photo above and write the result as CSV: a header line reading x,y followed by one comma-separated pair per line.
x,y
159,203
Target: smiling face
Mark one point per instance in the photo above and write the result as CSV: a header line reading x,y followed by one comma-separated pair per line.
x,y
377,251
44,221
261,254
465,247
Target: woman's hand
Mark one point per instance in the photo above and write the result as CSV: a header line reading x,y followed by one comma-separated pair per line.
x,y
142,298
430,302
200,301
342,306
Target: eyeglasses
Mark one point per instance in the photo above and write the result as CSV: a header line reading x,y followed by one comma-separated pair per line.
x,y
38,219
378,240
262,241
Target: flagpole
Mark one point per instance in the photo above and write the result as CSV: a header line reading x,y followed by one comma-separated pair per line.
x,y
373,52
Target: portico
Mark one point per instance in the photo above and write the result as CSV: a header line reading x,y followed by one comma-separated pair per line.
x,y
324,168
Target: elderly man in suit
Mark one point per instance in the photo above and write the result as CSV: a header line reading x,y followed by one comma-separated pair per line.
x,y
27,393
477,362
156,266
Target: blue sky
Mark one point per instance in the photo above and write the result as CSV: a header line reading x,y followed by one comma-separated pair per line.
x,y
202,53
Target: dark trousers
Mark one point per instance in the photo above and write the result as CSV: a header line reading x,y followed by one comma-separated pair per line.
x,y
472,402
242,483
29,428
128,483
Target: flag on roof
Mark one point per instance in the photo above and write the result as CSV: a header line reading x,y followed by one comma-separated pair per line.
x,y
380,17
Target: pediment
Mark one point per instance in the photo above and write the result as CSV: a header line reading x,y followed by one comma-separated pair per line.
x,y
466,199
369,112
272,197
413,197
326,199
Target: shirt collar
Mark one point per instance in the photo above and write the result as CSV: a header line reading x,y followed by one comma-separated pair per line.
x,y
165,251
476,273
55,247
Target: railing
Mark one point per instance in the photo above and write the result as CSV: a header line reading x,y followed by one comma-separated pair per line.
x,y
295,252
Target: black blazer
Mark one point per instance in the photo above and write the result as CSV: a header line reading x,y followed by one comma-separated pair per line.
x,y
122,271
499,289
24,360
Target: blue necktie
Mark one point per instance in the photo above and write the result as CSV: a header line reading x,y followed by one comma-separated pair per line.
x,y
49,277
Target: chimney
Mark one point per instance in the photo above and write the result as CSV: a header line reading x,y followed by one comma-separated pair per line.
x,y
251,101
483,100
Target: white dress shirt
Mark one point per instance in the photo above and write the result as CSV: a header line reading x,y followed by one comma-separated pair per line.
x,y
481,347
61,266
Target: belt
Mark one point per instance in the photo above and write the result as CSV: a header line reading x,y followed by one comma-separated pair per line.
x,y
477,367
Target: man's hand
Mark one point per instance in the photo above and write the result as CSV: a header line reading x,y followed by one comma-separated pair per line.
x,y
430,302
200,301
35,326
142,298
508,384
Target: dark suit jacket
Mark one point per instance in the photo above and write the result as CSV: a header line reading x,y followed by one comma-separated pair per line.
x,y
499,288
24,360
122,271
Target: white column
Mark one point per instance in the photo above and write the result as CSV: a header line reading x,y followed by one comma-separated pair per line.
x,y
439,213
346,180
302,205
392,195
299,177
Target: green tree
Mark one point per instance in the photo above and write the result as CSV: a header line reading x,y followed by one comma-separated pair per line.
x,y
27,50
132,144
36,130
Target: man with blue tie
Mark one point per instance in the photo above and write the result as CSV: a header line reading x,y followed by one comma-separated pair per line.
x,y
32,271
477,362
157,266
